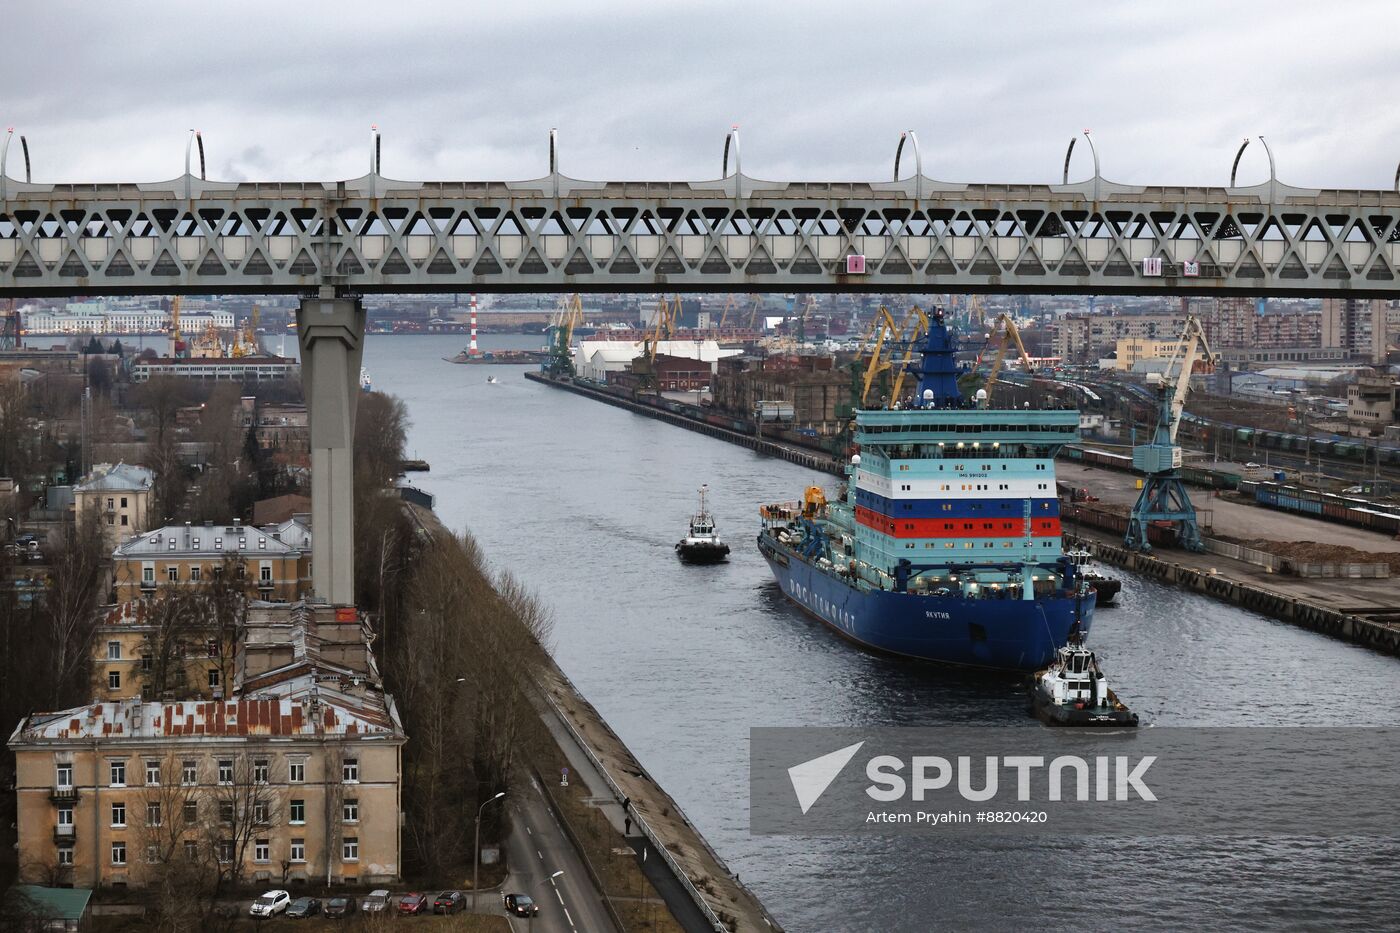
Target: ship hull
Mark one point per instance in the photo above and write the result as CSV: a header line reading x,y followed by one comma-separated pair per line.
x,y
995,634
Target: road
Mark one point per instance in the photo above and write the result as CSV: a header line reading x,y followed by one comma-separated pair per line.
x,y
568,903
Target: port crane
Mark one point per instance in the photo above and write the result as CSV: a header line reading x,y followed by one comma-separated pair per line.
x,y
883,339
566,317
1005,333
9,327
1163,497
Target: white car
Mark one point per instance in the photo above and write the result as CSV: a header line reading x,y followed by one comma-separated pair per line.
x,y
1251,465
270,904
377,902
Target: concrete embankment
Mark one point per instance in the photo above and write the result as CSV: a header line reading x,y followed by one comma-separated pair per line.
x,y
1280,597
637,806
811,459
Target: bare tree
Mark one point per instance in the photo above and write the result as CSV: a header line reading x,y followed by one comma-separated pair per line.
x,y
246,808
75,584
177,874
176,619
223,598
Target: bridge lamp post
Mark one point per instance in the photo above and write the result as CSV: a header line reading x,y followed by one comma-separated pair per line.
x,y
918,163
476,853
733,137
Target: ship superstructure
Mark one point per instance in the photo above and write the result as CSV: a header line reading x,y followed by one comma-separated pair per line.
x,y
946,544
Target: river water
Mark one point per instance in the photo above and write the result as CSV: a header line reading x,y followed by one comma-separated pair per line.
x,y
584,502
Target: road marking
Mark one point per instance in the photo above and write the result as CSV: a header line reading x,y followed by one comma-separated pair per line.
x,y
567,917
540,854
560,896
527,831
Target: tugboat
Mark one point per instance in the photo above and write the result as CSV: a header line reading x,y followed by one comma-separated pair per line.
x,y
1073,690
702,545
1106,587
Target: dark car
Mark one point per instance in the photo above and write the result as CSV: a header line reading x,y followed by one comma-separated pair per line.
x,y
522,905
413,904
449,902
338,907
304,907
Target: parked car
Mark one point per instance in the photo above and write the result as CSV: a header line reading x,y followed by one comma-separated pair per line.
x,y
338,907
413,904
377,902
522,905
449,902
304,907
270,904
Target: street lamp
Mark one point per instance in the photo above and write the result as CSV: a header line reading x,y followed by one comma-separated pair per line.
x,y
536,887
476,853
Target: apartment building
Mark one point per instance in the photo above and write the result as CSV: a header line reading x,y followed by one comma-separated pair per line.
x,y
121,496
294,777
197,662
185,555
1086,338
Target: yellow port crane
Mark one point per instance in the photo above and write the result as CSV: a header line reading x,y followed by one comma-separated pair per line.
x,y
730,303
1004,332
245,343
886,335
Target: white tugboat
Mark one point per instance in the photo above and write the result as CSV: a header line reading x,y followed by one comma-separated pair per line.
x,y
702,545
1073,691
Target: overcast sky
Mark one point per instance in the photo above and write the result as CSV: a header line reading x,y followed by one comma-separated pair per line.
x,y
287,90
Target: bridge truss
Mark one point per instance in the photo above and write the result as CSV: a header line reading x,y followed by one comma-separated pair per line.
x,y
375,234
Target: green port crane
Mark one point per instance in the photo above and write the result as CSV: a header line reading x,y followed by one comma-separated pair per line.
x,y
1163,497
566,317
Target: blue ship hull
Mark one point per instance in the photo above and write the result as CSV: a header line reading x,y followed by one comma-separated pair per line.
x,y
999,634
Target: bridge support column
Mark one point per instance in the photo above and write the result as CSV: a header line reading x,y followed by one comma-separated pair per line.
x,y
331,333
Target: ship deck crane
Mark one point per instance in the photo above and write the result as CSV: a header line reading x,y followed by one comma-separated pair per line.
x,y
1163,497
566,317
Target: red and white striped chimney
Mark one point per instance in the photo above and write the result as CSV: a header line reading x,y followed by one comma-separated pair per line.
x,y
473,350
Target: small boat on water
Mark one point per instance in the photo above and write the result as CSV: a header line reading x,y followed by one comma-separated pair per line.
x,y
1106,587
702,545
492,380
1073,691
365,384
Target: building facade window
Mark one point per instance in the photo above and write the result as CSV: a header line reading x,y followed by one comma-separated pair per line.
x,y
152,773
350,849
215,678
63,775
298,850
119,853
262,852
225,770
116,771
225,851
296,812
148,574
260,814
65,816
191,809
114,651
114,680
225,811
260,769
189,772
265,573
350,811
153,813
296,771
65,855
118,814
191,850
350,771
172,574
194,574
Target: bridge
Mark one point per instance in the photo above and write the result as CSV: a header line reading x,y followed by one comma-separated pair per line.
x,y
332,242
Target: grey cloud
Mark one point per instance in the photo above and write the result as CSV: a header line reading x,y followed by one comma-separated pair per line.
x,y
647,90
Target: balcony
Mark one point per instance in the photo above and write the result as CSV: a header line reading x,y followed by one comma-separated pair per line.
x,y
63,794
148,586
63,834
